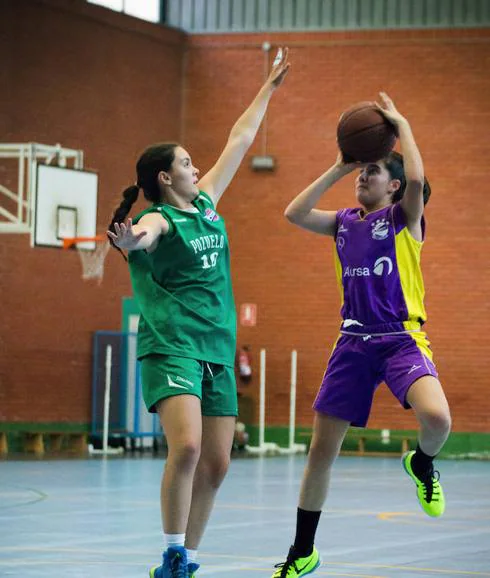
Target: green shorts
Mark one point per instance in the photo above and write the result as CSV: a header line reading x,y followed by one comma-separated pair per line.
x,y
164,376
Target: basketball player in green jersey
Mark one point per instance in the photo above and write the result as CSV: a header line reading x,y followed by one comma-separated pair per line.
x,y
179,263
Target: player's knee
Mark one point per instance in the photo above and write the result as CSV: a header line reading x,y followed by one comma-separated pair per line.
x,y
215,470
185,453
438,420
322,454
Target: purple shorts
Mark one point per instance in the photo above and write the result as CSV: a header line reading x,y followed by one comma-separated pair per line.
x,y
357,366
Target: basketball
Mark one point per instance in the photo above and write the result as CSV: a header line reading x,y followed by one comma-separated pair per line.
x,y
363,133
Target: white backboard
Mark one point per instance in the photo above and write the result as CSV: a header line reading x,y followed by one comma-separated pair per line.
x,y
65,205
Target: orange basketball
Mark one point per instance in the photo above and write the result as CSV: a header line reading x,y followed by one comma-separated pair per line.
x,y
363,133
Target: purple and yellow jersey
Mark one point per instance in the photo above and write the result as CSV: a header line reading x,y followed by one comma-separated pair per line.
x,y
377,262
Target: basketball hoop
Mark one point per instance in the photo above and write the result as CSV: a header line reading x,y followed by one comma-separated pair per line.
x,y
92,260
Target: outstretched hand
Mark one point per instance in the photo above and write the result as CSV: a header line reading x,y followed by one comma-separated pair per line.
x,y
124,235
280,68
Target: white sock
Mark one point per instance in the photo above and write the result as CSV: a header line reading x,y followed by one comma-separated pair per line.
x,y
173,540
191,555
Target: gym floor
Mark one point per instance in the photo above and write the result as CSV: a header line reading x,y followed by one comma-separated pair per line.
x,y
98,518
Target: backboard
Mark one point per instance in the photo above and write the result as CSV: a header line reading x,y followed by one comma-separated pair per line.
x,y
65,205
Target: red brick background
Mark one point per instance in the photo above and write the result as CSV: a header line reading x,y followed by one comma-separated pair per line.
x,y
109,84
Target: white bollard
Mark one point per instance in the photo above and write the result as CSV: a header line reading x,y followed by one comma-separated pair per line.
x,y
262,399
292,397
263,446
107,398
106,450
293,447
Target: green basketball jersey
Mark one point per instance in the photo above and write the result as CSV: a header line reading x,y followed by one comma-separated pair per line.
x,y
183,288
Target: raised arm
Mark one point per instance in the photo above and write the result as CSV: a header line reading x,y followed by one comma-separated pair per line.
x,y
243,134
412,202
301,211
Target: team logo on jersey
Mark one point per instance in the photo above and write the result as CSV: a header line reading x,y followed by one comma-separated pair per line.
x,y
211,215
383,265
380,229
340,242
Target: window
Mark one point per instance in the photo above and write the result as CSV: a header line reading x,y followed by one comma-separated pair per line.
x,y
112,4
147,10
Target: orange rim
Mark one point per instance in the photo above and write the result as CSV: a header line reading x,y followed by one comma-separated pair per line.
x,y
70,241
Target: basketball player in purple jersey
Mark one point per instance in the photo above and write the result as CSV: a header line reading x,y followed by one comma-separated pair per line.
x,y
377,261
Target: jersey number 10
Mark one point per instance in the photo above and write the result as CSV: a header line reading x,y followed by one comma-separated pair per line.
x,y
208,262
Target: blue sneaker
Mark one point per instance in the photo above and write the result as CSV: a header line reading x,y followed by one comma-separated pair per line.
x,y
174,564
192,568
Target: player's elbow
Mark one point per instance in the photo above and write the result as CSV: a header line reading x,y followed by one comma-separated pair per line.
x,y
292,216
415,183
241,138
247,138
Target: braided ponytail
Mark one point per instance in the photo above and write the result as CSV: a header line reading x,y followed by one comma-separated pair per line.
x,y
130,195
156,158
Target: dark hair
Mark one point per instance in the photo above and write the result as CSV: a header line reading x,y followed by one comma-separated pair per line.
x,y
394,164
156,158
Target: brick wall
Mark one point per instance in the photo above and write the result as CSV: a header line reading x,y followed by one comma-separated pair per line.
x,y
109,84
439,80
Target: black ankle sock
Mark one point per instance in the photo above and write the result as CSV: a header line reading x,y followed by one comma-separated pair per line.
x,y
306,525
421,463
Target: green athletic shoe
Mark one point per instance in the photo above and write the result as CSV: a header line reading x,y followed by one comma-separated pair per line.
x,y
295,566
429,490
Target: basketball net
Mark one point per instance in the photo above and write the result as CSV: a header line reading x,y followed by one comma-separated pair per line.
x,y
92,261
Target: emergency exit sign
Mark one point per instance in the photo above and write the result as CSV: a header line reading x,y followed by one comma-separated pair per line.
x,y
248,314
